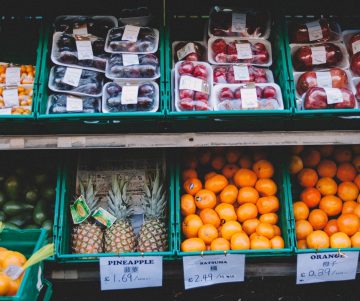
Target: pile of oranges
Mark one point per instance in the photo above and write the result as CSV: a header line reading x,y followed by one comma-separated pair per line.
x,y
229,201
327,210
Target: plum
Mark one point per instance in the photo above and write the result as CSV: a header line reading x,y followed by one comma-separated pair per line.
x,y
146,90
113,89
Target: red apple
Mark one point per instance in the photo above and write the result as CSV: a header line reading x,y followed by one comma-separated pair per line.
x,y
237,93
186,93
315,98
226,93
219,46
348,100
187,104
355,64
220,58
201,96
186,67
269,92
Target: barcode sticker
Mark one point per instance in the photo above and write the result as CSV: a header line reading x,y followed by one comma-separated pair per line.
x,y
333,95
249,98
244,51
130,33
314,30
241,73
74,104
130,59
238,22
193,83
12,75
80,30
324,79
72,76
129,95
318,55
185,51
11,97
84,50
356,47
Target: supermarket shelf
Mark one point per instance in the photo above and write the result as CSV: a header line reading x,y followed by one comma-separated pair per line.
x,y
166,140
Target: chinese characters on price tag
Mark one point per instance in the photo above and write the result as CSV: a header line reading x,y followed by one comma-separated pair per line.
x,y
322,267
131,272
209,270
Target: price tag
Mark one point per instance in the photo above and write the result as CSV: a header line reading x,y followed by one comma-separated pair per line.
x,y
355,47
129,95
185,51
329,266
72,76
238,22
193,83
333,95
323,79
130,33
314,30
80,30
318,55
130,272
213,269
74,104
244,51
11,97
5,111
249,98
130,59
13,271
241,73
84,50
12,75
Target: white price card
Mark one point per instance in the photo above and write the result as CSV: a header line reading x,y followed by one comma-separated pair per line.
x,y
318,55
80,30
241,73
193,83
314,30
130,59
129,95
72,76
11,97
128,272
213,269
355,47
238,22
323,267
333,95
323,79
74,104
244,51
130,33
185,51
12,75
84,50
249,98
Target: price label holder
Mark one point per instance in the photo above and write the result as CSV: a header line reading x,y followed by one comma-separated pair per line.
x,y
213,269
129,272
323,267
84,48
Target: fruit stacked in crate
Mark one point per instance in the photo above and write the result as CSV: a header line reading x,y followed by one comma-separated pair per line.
x,y
229,201
325,188
320,65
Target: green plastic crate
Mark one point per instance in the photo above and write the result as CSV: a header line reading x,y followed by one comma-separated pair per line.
x,y
27,242
24,36
308,114
284,222
63,243
48,291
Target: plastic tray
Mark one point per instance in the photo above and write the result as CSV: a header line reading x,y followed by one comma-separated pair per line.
x,y
269,73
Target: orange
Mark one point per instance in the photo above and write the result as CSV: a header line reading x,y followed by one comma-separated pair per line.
x,y
264,169
247,195
349,207
253,235
268,204
192,186
348,223
229,229
302,229
301,244
232,155
229,170
226,212
240,241
342,154
229,194
348,191
187,204
301,210
318,240
331,205
249,226
266,230
266,187
297,149
356,163
355,240
277,230
311,197
208,233
4,284
190,161
209,216
311,157
357,181
218,162
326,150
14,286
327,168
245,177
220,244
357,210
205,199
340,240
346,172
191,225
269,218
193,245
210,175
246,211
277,242
259,243
259,154
216,183
326,186
12,258
188,174
245,162
318,219
296,164
307,177
204,157
331,227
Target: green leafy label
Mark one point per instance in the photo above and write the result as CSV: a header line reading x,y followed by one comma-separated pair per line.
x,y
104,217
80,211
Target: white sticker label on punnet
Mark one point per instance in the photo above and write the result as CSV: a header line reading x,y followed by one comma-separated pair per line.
x,y
129,95
249,98
130,59
193,83
74,104
11,97
318,55
72,76
238,22
333,95
314,30
84,50
12,75
131,33
241,73
185,51
244,51
323,79
355,47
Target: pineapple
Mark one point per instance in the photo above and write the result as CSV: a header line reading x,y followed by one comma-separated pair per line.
x,y
120,237
153,233
87,237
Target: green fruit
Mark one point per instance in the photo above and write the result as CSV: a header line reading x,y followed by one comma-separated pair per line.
x,y
10,226
31,227
40,179
31,196
19,220
48,194
2,216
39,214
2,199
12,187
12,208
48,226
